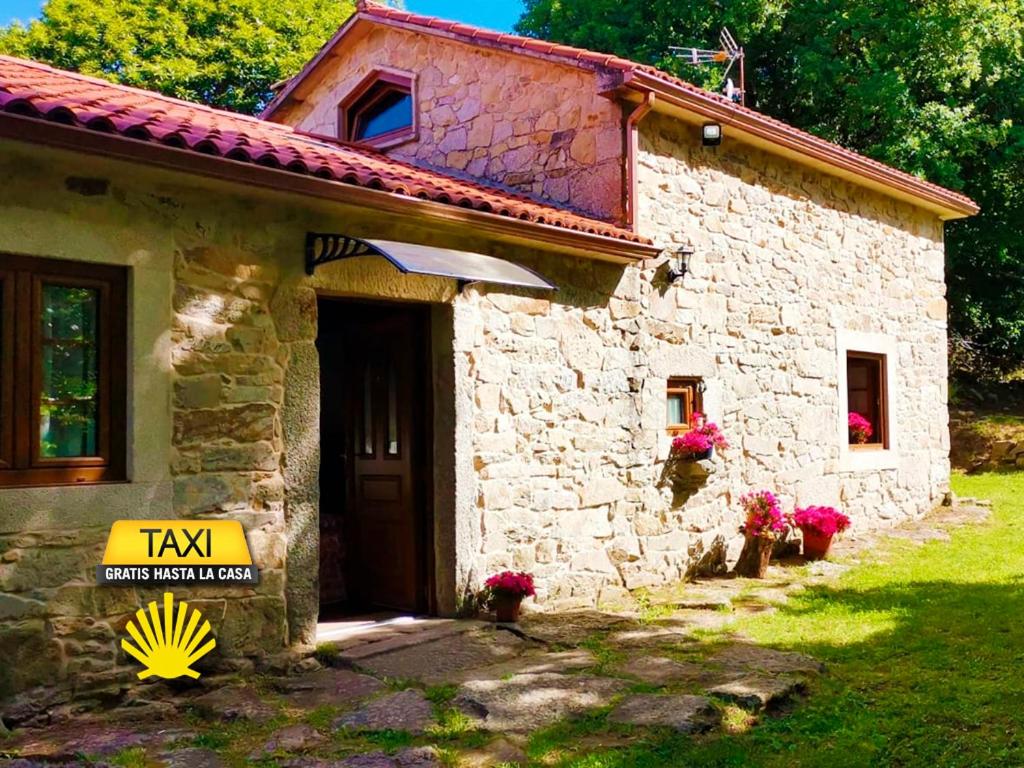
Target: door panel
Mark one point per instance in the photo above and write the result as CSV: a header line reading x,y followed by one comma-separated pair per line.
x,y
381,502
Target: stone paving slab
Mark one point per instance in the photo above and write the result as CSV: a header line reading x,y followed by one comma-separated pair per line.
x,y
191,757
573,628
448,658
657,670
414,757
755,658
293,738
527,702
758,693
685,714
327,687
90,737
530,663
406,710
234,702
401,636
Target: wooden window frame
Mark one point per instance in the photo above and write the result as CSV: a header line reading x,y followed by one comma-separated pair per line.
x,y
680,385
880,441
350,108
21,369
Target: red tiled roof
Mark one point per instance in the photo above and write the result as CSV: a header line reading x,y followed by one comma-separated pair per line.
x,y
774,131
31,89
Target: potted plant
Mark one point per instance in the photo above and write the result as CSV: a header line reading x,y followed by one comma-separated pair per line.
x,y
700,440
763,525
818,525
505,591
860,428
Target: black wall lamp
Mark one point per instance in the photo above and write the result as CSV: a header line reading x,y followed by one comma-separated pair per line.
x,y
711,134
681,265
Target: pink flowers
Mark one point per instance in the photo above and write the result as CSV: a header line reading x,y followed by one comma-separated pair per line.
x,y
860,428
701,438
823,521
511,583
764,516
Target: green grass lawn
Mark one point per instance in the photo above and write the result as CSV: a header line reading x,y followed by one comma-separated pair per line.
x,y
925,655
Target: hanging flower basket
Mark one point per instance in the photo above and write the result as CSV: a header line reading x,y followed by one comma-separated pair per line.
x,y
699,442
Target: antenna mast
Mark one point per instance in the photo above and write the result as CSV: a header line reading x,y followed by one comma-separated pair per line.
x,y
729,54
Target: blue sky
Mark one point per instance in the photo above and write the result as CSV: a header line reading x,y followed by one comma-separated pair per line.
x,y
494,14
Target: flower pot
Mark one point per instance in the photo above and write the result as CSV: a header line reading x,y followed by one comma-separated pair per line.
x,y
816,545
754,559
506,608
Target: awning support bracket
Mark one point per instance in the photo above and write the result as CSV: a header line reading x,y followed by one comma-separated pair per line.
x,y
323,248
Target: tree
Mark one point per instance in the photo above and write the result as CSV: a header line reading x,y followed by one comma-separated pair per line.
x,y
226,53
933,87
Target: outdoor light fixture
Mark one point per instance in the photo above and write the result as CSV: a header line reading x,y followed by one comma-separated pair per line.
x,y
711,134
678,270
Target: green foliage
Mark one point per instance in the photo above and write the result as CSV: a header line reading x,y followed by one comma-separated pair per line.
x,y
933,87
226,54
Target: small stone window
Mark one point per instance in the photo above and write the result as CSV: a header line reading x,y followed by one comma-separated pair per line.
x,y
866,398
63,358
380,111
684,397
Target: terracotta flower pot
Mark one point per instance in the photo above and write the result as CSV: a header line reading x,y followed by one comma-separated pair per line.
x,y
506,607
816,546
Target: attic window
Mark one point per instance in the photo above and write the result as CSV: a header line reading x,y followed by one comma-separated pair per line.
x,y
379,111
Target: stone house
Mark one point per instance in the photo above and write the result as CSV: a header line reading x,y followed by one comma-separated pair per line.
x,y
334,324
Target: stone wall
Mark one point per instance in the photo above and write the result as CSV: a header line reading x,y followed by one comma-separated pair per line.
x,y
529,125
791,268
551,432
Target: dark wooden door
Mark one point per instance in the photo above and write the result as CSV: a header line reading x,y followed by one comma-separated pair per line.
x,y
374,511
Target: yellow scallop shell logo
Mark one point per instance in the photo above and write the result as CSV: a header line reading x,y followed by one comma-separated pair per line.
x,y
170,647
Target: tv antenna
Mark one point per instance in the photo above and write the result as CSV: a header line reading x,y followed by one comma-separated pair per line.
x,y
729,54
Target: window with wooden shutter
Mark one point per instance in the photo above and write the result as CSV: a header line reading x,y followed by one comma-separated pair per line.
x,y
683,399
62,372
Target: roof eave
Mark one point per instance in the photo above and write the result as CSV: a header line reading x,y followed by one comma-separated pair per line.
x,y
803,147
505,228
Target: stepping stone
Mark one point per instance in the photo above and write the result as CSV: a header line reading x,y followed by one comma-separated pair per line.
x,y
754,658
406,711
327,688
527,702
413,757
533,663
234,702
446,659
87,737
684,714
294,738
193,757
657,670
758,692
570,628
500,752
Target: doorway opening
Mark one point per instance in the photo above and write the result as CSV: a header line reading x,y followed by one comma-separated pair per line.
x,y
376,519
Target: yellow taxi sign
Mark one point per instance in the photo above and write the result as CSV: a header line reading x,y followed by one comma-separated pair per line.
x,y
176,552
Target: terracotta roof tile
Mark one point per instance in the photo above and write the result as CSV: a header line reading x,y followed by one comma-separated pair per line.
x,y
32,89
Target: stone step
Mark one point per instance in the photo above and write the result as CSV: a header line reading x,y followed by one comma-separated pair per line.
x,y
681,713
394,642
758,693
